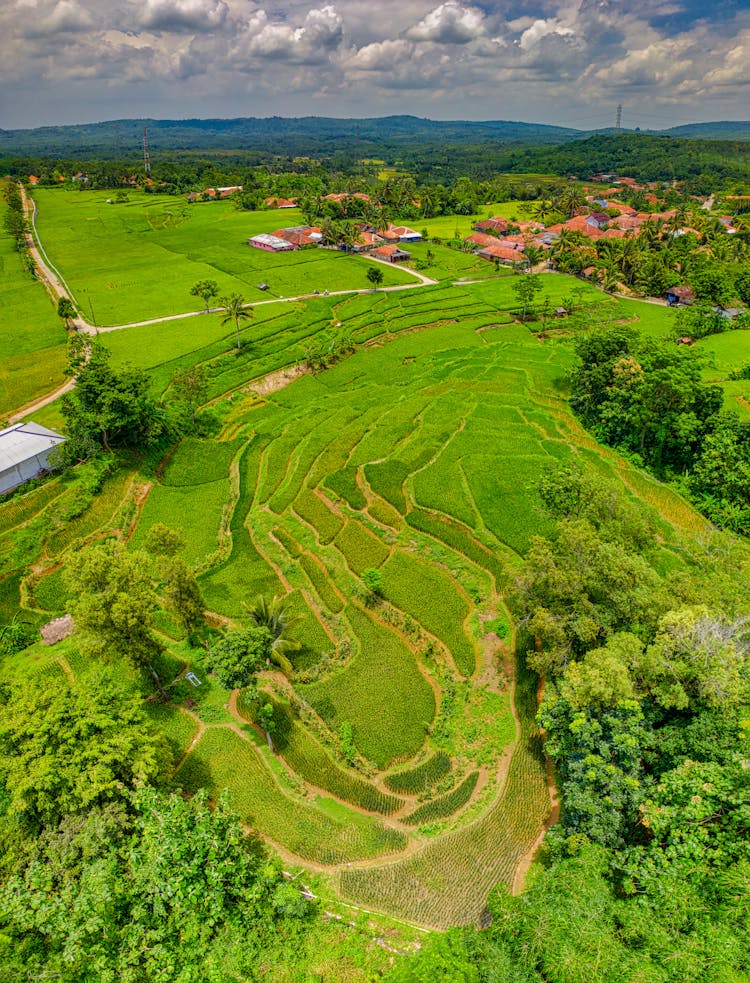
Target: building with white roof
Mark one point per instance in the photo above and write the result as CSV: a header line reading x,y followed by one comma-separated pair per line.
x,y
24,453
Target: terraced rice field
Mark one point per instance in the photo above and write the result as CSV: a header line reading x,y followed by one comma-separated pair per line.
x,y
404,764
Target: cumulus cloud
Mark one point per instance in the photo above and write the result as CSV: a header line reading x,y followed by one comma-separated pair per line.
x,y
183,15
438,57
65,16
311,42
543,29
450,23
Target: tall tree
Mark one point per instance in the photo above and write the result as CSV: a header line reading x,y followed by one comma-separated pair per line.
x,y
113,603
107,407
206,289
68,747
235,310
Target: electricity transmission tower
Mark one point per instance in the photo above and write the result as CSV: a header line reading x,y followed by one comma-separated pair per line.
x,y
618,118
146,158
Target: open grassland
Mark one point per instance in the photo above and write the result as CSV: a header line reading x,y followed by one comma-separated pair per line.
x,y
138,259
32,337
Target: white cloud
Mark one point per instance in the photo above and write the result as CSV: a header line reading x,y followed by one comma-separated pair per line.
x,y
65,16
312,42
450,23
542,29
182,15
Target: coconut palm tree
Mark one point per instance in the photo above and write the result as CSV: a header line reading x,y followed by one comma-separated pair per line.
x,y
571,199
235,310
274,615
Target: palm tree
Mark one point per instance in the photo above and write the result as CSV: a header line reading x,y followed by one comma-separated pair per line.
x,y
571,199
543,209
235,310
274,615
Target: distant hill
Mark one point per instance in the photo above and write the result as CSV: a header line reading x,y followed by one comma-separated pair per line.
x,y
315,135
724,130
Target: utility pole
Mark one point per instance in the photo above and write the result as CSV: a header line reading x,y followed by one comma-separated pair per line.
x,y
146,158
618,119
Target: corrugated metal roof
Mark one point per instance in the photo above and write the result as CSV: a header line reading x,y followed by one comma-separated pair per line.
x,y
23,441
269,240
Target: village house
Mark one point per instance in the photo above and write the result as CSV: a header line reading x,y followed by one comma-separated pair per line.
x,y
391,253
270,243
505,255
281,202
497,225
24,453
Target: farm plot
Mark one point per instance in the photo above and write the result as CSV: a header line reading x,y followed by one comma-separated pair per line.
x,y
223,760
419,456
137,260
32,336
382,694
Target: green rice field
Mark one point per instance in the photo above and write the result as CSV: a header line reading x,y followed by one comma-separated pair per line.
x,y
137,260
406,766
32,337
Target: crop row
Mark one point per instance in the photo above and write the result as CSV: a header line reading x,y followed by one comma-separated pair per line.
x,y
446,805
360,548
421,777
430,596
20,509
316,513
386,478
318,577
453,535
381,693
344,483
306,756
223,760
197,461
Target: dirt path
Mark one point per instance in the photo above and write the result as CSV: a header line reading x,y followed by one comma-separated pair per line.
x,y
39,403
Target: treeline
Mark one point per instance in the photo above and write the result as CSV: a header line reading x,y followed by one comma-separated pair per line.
x,y
648,398
705,165
647,683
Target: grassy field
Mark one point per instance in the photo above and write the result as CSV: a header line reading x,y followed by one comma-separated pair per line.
x,y
419,456
32,337
138,260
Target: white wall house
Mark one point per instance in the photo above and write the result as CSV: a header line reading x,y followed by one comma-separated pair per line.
x,y
24,452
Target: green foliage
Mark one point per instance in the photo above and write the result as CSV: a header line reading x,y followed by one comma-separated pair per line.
x,y
68,748
421,777
171,890
445,805
236,657
206,290
113,600
107,408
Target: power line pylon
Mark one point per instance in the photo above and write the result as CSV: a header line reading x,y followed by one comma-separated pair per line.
x,y
618,118
146,158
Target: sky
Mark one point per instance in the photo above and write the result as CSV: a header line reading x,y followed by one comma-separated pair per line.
x,y
568,62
